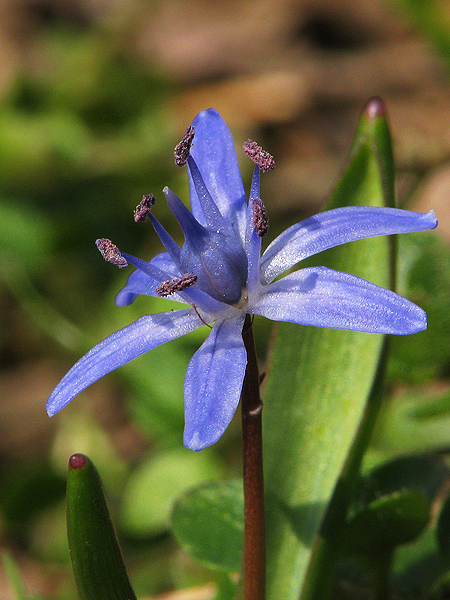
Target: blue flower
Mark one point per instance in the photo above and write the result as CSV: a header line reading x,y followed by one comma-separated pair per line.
x,y
220,274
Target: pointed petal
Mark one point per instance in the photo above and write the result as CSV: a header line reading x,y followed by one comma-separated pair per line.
x,y
214,152
140,283
170,244
212,214
119,348
213,384
253,240
335,227
326,298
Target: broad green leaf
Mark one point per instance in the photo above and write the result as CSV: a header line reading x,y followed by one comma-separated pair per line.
x,y
157,483
96,557
424,473
208,521
318,384
388,522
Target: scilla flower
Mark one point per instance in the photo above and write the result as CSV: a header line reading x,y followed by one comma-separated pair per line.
x,y
220,275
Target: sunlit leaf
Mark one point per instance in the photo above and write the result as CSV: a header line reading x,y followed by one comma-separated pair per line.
x,y
318,384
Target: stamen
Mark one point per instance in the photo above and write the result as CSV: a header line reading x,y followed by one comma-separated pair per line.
x,y
144,207
111,253
260,157
200,316
182,150
260,221
171,286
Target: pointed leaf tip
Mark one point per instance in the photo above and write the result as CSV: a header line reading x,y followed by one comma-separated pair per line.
x,y
94,550
375,107
76,461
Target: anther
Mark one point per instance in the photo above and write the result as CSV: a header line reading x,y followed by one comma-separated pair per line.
x,y
111,253
260,157
171,286
182,150
144,207
260,221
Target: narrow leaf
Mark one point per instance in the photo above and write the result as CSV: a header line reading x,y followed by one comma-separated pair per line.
x,y
318,384
96,557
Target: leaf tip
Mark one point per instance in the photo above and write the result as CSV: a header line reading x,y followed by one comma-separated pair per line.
x,y
375,107
77,461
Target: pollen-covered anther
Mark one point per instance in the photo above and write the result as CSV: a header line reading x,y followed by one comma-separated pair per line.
x,y
260,157
171,286
144,207
260,221
111,253
183,149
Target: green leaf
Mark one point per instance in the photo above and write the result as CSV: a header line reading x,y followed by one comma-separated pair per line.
x,y
422,473
424,276
318,384
157,483
407,426
96,557
388,522
209,523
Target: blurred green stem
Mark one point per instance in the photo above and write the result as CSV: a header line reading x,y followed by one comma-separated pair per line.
x,y
254,535
320,575
381,570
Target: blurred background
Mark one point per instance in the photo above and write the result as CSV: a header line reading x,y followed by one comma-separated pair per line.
x,y
94,95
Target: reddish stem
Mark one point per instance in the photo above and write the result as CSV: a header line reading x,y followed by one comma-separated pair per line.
x,y
254,536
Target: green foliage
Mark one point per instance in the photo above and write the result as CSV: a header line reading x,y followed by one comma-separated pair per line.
x,y
424,276
443,531
317,386
13,578
417,420
431,18
81,140
208,521
162,478
28,490
387,522
96,557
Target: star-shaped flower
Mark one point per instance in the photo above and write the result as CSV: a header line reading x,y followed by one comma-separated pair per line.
x,y
220,274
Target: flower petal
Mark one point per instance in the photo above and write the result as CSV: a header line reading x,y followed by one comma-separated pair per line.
x,y
326,298
213,384
119,348
335,227
214,152
140,283
253,240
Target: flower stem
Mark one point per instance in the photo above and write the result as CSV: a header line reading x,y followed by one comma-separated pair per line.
x,y
254,533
